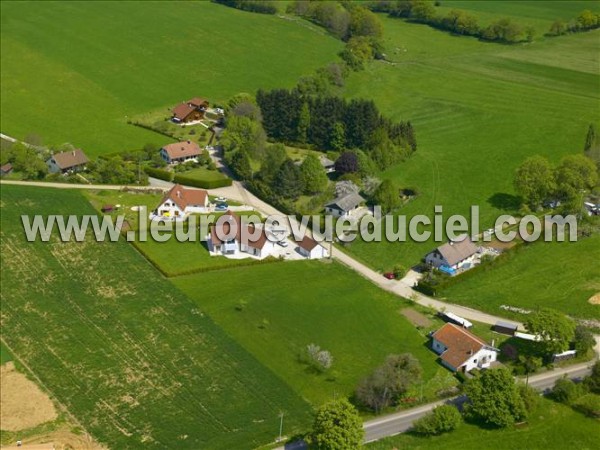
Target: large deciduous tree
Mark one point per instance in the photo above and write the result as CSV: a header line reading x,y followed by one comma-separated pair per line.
x,y
534,180
347,163
337,426
387,195
313,175
555,329
388,382
494,398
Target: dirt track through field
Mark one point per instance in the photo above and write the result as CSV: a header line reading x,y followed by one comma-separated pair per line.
x,y
22,403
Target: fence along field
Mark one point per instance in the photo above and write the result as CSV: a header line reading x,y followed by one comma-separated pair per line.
x,y
136,362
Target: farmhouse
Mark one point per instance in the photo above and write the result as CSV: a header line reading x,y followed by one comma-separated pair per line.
x,y
453,255
344,206
461,350
65,162
179,202
311,249
180,152
232,238
190,111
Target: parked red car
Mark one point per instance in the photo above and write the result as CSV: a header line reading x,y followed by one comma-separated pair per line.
x,y
390,275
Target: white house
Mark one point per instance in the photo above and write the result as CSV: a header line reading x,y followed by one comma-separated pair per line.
x,y
344,206
461,350
180,152
243,239
453,254
65,162
311,249
179,202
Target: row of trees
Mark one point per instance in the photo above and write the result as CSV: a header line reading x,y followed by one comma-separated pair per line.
x,y
332,123
257,6
456,21
585,21
360,28
536,180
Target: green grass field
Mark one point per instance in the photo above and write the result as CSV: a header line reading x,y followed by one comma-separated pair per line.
x,y
479,110
137,362
204,174
75,71
550,426
533,278
290,305
539,14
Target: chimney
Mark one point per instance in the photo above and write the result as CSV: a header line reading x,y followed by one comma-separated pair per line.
x,y
189,142
73,152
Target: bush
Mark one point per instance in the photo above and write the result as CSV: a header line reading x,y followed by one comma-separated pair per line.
x,y
320,360
593,381
589,404
159,173
530,396
566,391
443,419
204,184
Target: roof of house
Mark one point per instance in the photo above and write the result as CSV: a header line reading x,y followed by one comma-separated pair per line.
x,y
184,149
347,202
197,102
243,232
455,251
182,110
307,243
460,344
183,197
325,161
6,168
72,158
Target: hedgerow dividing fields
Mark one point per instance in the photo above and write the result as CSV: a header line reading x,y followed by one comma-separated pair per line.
x,y
135,361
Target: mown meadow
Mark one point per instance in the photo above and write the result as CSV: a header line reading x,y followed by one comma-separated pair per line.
x,y
479,109
276,310
138,363
76,71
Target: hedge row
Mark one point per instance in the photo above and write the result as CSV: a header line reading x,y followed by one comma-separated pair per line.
x,y
159,173
205,184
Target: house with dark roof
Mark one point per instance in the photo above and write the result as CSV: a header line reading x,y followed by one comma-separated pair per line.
x,y
344,206
232,238
179,202
179,152
453,255
311,249
461,350
66,162
327,164
190,111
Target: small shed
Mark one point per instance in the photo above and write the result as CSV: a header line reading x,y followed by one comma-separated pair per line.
x,y
505,328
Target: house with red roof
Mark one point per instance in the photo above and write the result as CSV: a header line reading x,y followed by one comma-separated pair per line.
x,y
179,152
179,202
311,249
190,111
232,238
461,350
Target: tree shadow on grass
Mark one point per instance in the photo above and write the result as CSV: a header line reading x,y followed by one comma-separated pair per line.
x,y
505,202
